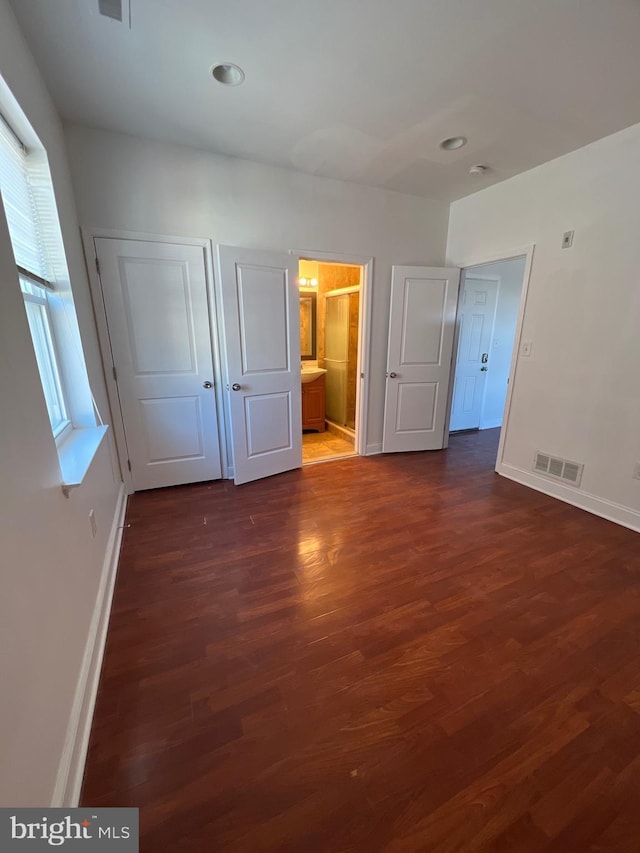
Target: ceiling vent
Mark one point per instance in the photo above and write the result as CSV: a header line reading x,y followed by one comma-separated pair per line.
x,y
559,469
117,10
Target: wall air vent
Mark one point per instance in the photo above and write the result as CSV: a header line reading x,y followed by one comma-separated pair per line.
x,y
117,10
111,9
559,469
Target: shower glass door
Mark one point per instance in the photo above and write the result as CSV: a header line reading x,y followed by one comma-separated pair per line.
x,y
336,356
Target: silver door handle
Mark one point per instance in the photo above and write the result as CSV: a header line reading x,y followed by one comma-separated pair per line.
x,y
236,387
207,384
391,375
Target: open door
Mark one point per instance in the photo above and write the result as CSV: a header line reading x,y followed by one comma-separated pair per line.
x,y
421,331
262,342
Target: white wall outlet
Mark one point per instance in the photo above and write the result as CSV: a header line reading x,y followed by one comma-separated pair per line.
x,y
92,523
567,239
525,349
636,471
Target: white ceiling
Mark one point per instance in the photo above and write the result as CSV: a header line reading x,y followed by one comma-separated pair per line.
x,y
362,90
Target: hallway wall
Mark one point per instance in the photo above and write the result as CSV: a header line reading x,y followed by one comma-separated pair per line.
x,y
577,395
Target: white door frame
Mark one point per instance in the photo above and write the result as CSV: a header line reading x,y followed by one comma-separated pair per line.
x,y
88,236
465,263
364,331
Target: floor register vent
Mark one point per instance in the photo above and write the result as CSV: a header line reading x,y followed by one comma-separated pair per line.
x,y
559,469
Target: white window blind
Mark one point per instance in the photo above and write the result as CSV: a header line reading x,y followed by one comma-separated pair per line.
x,y
29,204
23,215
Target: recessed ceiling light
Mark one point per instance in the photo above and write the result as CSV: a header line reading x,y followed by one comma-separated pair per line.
x,y
453,142
228,74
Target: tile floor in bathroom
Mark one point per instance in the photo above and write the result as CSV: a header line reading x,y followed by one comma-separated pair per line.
x,y
318,446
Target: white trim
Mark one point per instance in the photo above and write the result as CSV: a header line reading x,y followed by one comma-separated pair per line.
x,y
373,449
76,454
329,257
89,235
118,234
364,333
490,424
100,314
74,755
611,511
526,252
216,352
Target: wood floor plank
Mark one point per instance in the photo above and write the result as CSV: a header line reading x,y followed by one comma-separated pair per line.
x,y
402,653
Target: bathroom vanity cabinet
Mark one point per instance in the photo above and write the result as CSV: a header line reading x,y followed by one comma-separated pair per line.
x,y
313,402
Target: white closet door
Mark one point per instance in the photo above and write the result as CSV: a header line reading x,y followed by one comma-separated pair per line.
x,y
261,317
155,298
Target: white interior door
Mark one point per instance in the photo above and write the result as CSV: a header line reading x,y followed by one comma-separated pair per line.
x,y
261,317
477,313
155,298
421,329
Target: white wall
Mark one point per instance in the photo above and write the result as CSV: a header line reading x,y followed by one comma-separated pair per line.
x,y
578,395
123,182
50,565
509,275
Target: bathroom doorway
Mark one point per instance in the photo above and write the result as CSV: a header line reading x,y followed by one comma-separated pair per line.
x,y
330,323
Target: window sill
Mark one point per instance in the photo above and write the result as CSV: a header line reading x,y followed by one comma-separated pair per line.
x,y
76,454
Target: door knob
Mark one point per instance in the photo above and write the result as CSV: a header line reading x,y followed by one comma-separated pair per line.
x,y
392,375
207,384
484,369
236,387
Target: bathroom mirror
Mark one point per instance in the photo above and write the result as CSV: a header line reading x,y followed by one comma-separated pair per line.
x,y
308,326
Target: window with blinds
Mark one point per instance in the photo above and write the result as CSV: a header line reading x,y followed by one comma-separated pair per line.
x,y
29,205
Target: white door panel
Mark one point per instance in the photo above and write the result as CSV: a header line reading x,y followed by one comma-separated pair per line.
x,y
421,327
262,344
477,314
155,297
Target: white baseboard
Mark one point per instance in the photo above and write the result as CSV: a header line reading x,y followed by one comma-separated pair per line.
x,y
74,755
373,449
623,515
491,424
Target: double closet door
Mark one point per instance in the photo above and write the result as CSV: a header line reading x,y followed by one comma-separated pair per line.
x,y
157,342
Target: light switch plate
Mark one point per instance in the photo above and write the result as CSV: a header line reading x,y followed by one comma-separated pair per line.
x,y
567,239
525,349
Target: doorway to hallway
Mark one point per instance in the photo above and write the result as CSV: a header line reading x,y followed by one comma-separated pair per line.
x,y
488,311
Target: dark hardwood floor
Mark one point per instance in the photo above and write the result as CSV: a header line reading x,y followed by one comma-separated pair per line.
x,y
403,653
